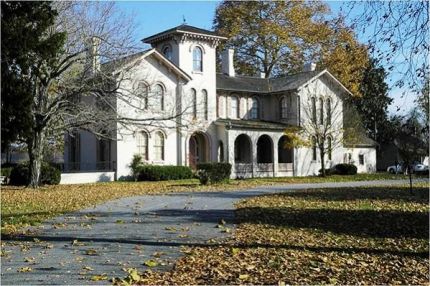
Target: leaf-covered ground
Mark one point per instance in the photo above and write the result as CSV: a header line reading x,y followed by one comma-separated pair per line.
x,y
372,235
22,206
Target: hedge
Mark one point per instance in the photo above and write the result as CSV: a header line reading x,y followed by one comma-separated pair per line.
x,y
345,169
213,172
163,173
49,175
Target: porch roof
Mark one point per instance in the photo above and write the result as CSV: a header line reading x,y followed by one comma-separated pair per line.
x,y
251,124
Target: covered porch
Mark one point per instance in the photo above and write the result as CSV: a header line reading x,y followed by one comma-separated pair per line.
x,y
257,148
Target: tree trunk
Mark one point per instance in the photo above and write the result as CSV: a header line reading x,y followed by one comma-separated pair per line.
x,y
322,163
410,179
35,153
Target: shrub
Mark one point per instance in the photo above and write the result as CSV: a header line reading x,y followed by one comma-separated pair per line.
x,y
163,173
215,172
6,171
345,169
328,172
135,164
49,175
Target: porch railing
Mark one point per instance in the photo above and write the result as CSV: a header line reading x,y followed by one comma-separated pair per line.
x,y
264,167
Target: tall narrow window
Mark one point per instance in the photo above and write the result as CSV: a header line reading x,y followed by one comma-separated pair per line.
x,y
197,59
159,97
220,152
74,151
194,99
321,111
205,102
142,144
234,107
298,111
328,109
159,146
284,106
329,143
314,110
254,108
361,159
167,52
314,148
142,93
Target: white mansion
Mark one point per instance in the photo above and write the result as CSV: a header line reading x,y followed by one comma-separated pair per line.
x,y
219,117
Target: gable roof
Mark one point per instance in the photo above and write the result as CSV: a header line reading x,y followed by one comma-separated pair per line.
x,y
121,63
181,29
267,85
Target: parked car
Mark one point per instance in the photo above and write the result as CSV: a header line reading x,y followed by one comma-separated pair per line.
x,y
416,167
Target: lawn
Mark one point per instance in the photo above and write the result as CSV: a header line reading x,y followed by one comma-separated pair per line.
x,y
21,206
370,235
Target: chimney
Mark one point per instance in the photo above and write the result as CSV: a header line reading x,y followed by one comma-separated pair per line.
x,y
309,67
93,55
262,75
227,62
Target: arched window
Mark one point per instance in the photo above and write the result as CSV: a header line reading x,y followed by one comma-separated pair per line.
x,y
142,93
314,148
329,146
194,99
234,107
142,144
321,111
205,102
255,109
159,146
314,110
284,106
197,59
328,110
159,97
167,52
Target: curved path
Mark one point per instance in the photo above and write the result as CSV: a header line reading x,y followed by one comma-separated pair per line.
x,y
128,232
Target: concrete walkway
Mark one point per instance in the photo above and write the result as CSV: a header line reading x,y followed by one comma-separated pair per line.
x,y
128,232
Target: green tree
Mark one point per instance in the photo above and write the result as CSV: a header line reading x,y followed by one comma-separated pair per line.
x,y
423,101
29,52
373,104
278,37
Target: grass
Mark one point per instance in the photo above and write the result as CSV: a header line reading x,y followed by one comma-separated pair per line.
x,y
368,235
22,207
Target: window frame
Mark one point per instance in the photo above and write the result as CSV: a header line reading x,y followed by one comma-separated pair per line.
x,y
321,117
255,109
169,55
314,149
197,59
328,110
284,107
163,91
329,148
205,103
194,102
145,135
159,135
361,159
234,113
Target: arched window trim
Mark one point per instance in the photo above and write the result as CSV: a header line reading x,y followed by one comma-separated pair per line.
x,y
234,113
163,92
205,103
163,145
197,59
255,110
283,104
194,102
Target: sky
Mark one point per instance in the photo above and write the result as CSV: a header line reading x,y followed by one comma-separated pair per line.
x,y
155,16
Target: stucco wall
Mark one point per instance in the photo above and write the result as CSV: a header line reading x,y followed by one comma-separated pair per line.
x,y
86,177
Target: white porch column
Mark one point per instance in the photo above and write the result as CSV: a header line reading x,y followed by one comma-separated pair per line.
x,y
275,157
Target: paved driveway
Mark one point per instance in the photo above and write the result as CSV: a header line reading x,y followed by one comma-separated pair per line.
x,y
126,233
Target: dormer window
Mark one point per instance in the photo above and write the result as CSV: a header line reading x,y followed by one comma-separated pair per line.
x,y
167,52
197,59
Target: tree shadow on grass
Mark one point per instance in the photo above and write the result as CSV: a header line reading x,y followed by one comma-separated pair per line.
x,y
420,195
363,223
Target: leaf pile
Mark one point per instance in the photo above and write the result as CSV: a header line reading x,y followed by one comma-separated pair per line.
x,y
374,235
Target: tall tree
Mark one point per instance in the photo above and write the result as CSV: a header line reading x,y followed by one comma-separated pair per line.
x,y
71,88
278,37
374,102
